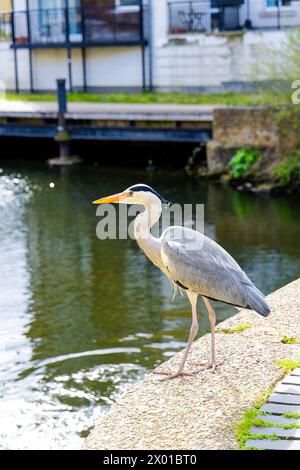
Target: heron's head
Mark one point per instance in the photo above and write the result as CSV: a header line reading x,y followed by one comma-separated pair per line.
x,y
136,194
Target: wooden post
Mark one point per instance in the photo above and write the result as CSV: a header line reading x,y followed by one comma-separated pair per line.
x,y
62,137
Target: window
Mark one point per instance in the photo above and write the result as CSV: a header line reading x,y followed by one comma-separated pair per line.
x,y
127,3
279,3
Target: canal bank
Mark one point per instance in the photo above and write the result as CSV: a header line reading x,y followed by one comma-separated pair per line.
x,y
256,148
109,121
264,139
202,411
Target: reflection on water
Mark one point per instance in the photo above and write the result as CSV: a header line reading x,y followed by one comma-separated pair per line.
x,y
81,319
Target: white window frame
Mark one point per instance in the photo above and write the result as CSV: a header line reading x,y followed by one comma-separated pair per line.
x,y
120,7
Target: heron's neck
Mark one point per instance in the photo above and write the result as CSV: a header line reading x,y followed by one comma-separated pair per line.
x,y
142,226
146,220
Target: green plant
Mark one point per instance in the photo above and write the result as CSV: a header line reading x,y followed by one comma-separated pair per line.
x,y
292,415
290,340
230,99
235,329
280,67
288,364
287,172
242,161
243,427
250,418
264,423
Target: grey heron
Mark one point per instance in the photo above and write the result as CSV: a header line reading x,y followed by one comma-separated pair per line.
x,y
193,262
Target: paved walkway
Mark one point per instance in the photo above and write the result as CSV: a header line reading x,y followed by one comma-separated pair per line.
x,y
201,411
112,111
284,399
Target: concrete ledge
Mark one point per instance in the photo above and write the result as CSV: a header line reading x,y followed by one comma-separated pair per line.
x,y
200,412
109,111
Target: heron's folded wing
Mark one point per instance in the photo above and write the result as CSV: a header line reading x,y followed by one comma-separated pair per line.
x,y
200,264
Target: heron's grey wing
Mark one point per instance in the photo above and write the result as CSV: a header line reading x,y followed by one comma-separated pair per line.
x,y
200,264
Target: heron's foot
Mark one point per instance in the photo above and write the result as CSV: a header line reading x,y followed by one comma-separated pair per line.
x,y
208,366
171,374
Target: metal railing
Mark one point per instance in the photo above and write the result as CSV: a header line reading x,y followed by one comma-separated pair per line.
x,y
231,15
91,25
5,27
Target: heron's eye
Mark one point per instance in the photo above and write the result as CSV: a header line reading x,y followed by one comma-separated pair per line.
x,y
130,194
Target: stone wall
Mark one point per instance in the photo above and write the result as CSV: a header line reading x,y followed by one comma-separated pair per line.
x,y
255,127
240,126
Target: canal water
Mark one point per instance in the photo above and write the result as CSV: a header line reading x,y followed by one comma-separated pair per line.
x,y
82,319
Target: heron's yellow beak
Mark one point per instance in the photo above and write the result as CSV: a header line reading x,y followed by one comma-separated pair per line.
x,y
109,199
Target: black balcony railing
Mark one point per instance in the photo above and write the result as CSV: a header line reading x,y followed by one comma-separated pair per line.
x,y
231,15
90,25
5,27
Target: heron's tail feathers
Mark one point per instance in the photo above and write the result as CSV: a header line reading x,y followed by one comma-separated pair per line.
x,y
176,289
257,302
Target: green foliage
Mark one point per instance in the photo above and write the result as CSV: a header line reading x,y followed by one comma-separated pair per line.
x,y
250,420
242,161
290,340
261,423
235,329
292,415
281,66
227,99
288,171
243,427
288,364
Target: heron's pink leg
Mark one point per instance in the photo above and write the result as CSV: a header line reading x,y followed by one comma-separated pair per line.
x,y
212,318
193,332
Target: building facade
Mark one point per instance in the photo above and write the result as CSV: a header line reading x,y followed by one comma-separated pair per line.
x,y
135,44
87,42
5,6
